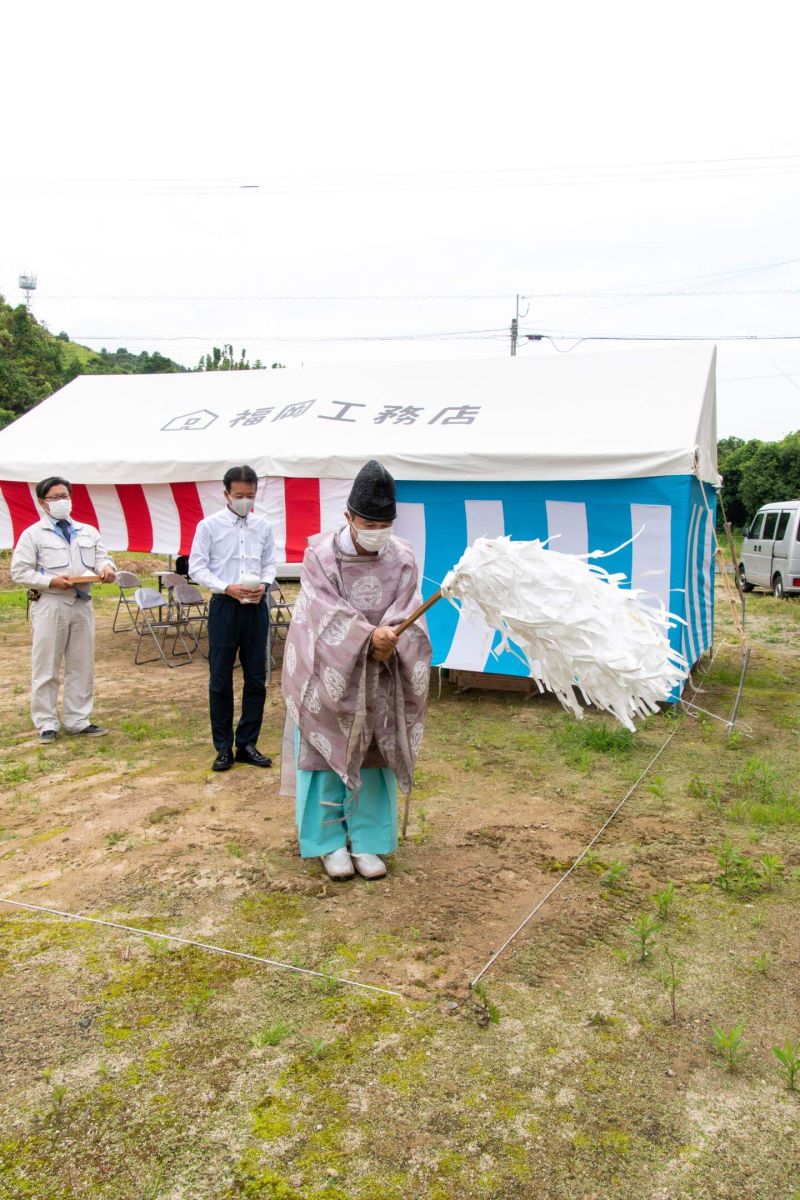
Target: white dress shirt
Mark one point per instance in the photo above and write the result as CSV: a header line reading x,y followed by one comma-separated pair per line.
x,y
226,547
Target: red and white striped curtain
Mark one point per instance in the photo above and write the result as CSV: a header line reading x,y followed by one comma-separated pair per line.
x,y
160,518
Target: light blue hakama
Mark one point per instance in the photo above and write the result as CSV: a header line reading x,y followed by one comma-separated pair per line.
x,y
328,813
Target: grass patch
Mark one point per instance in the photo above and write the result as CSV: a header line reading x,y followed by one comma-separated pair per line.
x,y
579,741
13,601
763,798
138,729
178,1071
13,773
271,1035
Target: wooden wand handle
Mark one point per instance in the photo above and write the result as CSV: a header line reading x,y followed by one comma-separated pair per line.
x,y
415,616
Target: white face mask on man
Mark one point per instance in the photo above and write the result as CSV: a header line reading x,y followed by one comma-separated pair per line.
x,y
59,509
241,505
372,540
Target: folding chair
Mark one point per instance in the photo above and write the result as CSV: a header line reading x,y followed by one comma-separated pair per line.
x,y
190,610
148,602
280,617
170,580
126,581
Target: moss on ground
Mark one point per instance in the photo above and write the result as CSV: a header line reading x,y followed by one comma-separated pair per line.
x,y
140,1070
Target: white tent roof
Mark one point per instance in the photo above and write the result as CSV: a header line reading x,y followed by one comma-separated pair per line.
x,y
617,415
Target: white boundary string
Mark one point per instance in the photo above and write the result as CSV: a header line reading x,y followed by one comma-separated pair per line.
x,y
576,863
742,726
596,837
369,987
171,937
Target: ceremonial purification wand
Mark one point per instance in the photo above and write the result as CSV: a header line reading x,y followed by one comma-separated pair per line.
x,y
572,623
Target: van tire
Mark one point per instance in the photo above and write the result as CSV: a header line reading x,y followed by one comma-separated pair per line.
x,y
777,587
746,587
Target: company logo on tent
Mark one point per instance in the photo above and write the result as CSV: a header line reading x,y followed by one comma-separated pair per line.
x,y
201,418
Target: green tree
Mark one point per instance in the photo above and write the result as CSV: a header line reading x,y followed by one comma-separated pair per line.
x,y
124,362
756,473
31,365
34,363
224,359
773,473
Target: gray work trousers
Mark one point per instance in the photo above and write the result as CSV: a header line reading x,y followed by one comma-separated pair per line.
x,y
62,632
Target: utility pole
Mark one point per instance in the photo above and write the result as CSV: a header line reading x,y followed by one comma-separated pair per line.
x,y
515,331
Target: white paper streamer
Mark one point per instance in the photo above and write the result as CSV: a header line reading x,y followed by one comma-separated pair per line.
x,y
576,627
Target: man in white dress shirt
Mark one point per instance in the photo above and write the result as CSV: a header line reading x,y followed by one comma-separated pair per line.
x,y
232,549
49,554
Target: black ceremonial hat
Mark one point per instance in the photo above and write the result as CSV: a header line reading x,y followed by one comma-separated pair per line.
x,y
373,495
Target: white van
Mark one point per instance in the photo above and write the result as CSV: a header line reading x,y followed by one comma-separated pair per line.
x,y
770,555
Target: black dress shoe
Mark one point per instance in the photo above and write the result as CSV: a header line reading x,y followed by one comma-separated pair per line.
x,y
223,761
249,754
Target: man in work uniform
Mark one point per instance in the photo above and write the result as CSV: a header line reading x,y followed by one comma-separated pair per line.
x,y
355,693
233,554
47,556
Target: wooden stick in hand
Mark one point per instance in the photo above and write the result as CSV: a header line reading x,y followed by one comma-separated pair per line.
x,y
415,616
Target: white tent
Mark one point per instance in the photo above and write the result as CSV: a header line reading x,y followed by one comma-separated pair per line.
x,y
601,416
588,448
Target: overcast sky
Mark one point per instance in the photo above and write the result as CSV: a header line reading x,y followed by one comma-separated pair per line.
x,y
419,150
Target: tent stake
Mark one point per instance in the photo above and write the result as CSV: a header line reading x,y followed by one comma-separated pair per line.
x,y
735,713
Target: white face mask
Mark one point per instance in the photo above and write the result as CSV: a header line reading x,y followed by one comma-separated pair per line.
x,y
372,540
59,509
241,505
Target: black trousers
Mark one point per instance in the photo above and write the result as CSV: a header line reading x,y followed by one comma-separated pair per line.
x,y
233,626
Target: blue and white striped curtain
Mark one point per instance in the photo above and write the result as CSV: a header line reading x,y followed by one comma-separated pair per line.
x,y
672,558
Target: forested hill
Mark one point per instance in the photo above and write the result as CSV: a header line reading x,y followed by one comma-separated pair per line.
x,y
34,362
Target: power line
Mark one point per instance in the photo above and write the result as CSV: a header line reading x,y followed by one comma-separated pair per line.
x,y
694,281
791,375
786,375
505,297
612,293
730,273
452,335
577,338
236,179
573,175
656,295
442,336
321,296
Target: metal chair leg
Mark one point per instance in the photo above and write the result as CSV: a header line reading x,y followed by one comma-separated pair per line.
x,y
151,628
133,614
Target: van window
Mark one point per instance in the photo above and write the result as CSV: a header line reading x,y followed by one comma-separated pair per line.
x,y
780,532
769,526
755,529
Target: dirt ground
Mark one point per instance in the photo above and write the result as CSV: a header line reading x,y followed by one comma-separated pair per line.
x,y
132,1069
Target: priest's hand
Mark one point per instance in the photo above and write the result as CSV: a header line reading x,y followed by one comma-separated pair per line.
x,y
383,643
